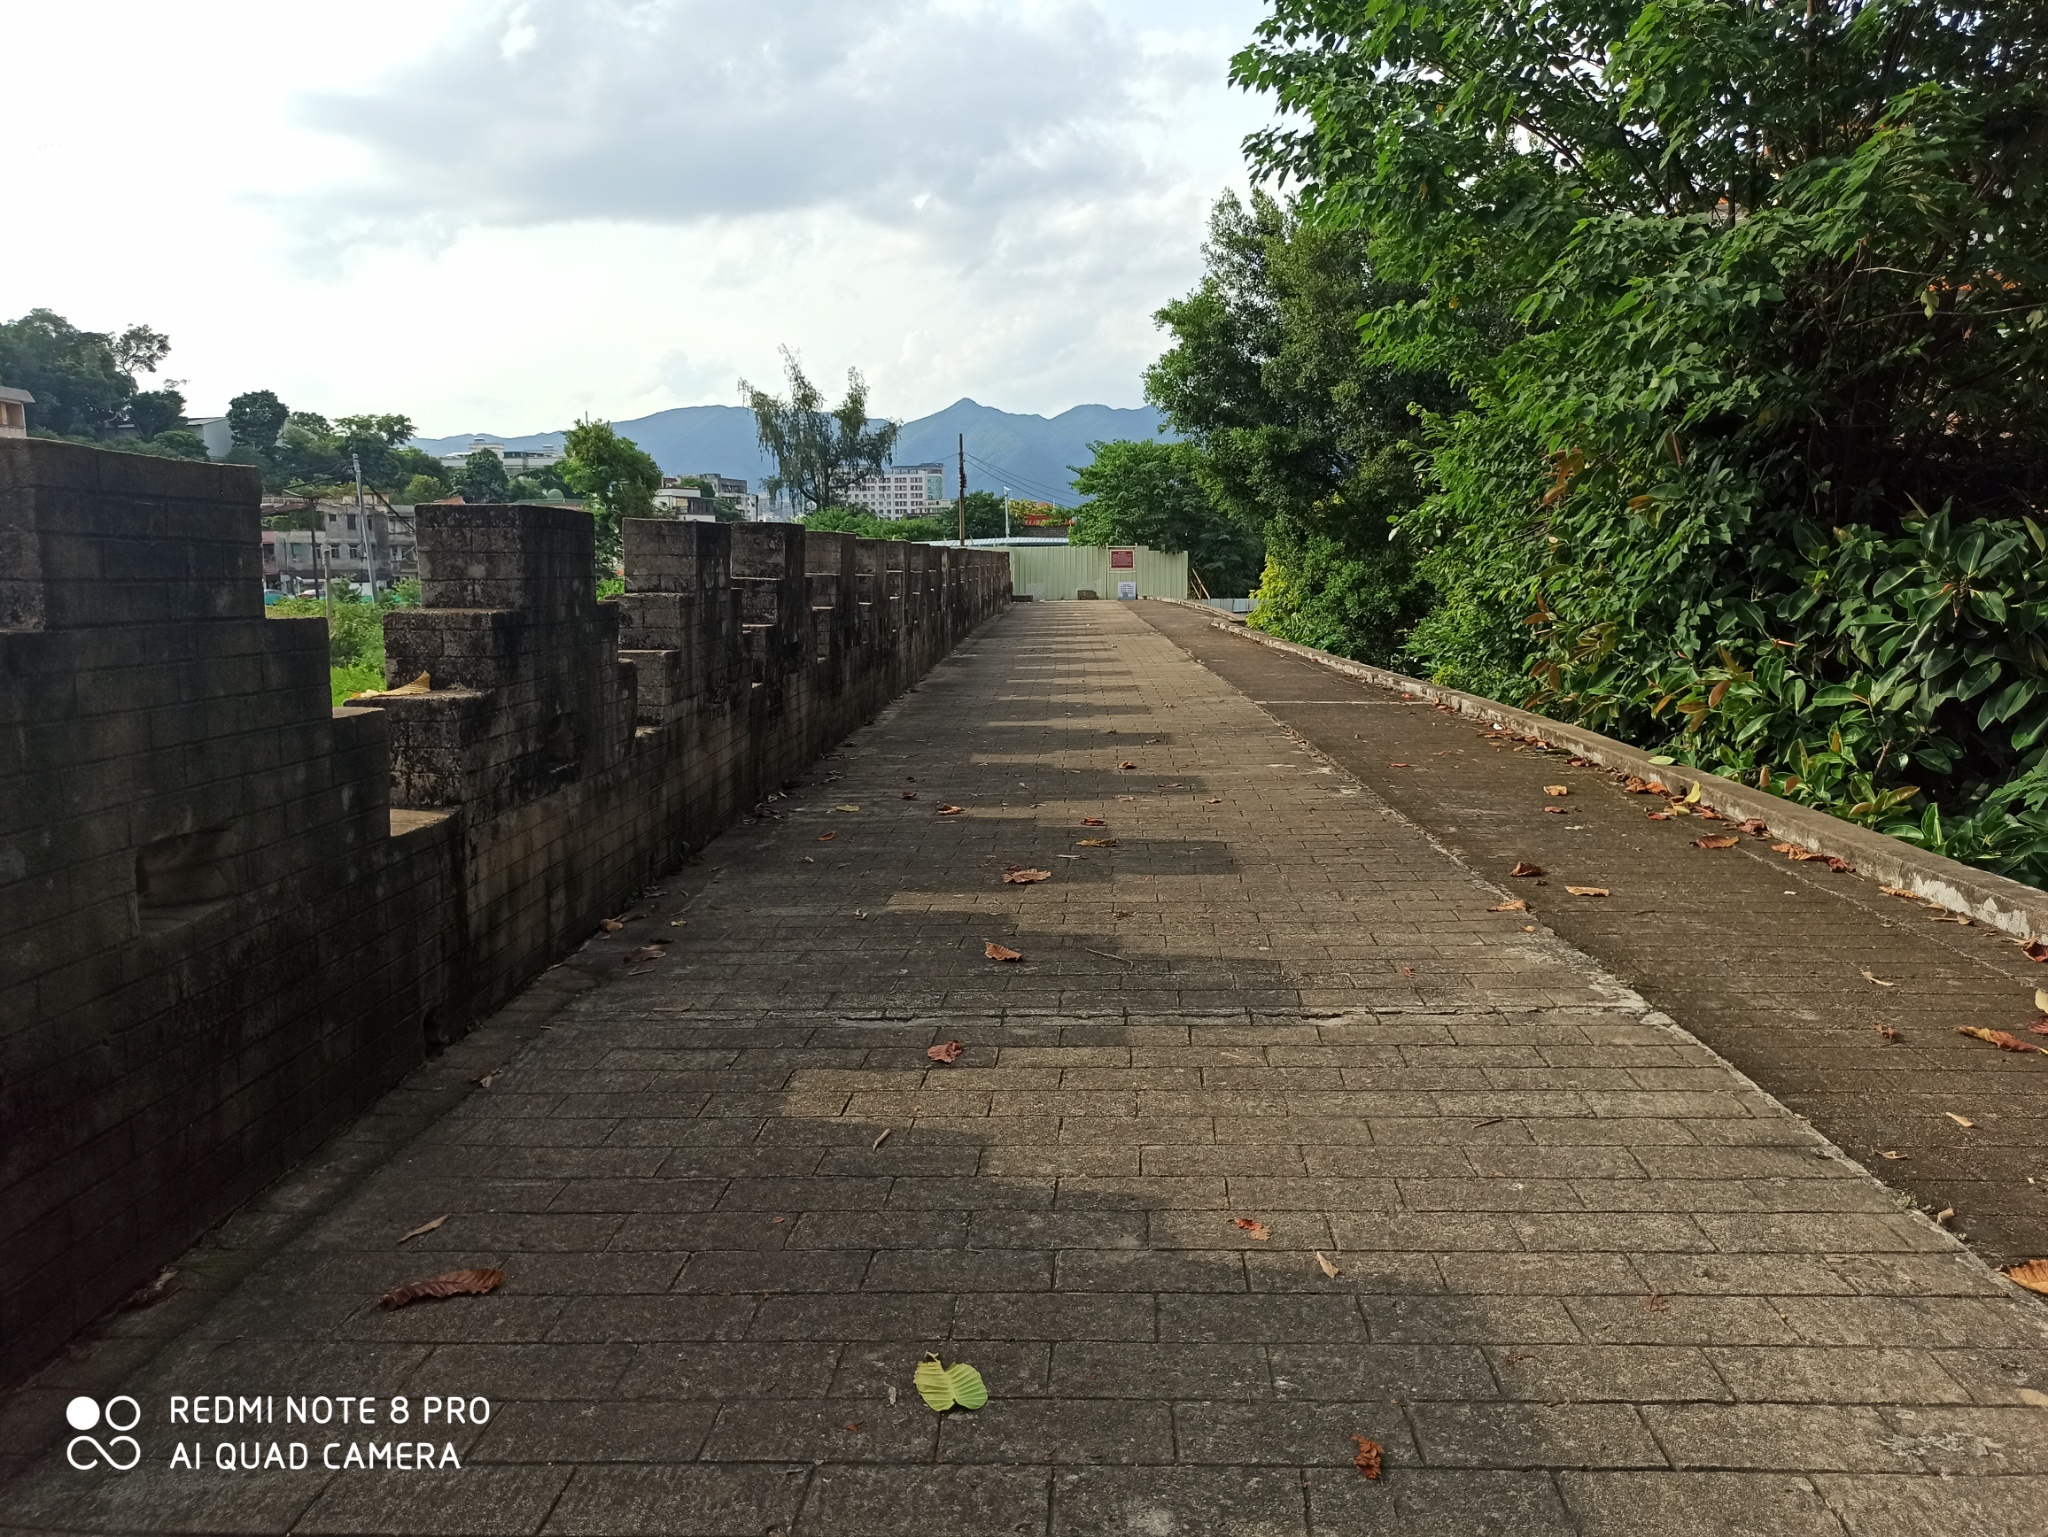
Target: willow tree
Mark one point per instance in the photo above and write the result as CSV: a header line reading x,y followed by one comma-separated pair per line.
x,y
820,455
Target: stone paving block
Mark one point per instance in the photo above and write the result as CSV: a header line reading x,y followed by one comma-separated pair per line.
x,y
1436,1502
1649,1504
1222,1502
689,1500
925,1502
1895,1506
511,1500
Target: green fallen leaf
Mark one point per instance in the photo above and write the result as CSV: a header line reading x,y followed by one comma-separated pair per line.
x,y
948,1387
1662,761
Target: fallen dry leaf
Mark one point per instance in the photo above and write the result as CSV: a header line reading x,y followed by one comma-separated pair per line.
x,y
1576,762
1512,905
910,795
149,1293
1589,891
1886,1032
1755,826
1093,822
2032,1274
1329,1269
846,808
455,1283
1636,786
424,1227
1840,866
2041,1000
1026,877
1960,1120
489,1078
1400,765
945,1051
1880,981
996,952
884,1137
1719,841
2032,949
2000,1038
826,837
1127,765
1214,800
1945,1216
1900,891
2038,1027
1556,811
1127,797
645,954
1892,1154
1523,867
1096,843
1557,789
1258,1230
949,811
610,925
1368,1459
1660,816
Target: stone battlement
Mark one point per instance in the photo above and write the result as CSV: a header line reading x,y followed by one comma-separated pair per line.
x,y
232,915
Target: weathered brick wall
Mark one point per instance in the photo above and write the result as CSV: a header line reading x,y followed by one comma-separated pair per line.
x,y
231,915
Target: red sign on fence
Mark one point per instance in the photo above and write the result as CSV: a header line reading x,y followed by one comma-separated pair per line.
x,y
1123,560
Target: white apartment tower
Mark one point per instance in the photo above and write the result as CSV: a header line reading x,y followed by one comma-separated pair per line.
x,y
901,491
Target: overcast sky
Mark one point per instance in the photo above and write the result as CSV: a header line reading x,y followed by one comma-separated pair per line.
x,y
497,216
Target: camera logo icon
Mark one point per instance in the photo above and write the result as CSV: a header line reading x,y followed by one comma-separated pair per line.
x,y
120,1452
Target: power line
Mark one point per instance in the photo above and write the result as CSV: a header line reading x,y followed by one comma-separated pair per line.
x,y
1021,481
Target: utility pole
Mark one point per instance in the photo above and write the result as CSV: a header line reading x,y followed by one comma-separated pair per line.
x,y
1006,512
963,490
369,544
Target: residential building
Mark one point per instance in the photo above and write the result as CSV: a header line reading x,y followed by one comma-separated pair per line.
x,y
341,541
214,432
13,415
902,491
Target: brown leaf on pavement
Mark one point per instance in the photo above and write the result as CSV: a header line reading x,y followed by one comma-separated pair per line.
x,y
1127,765
1512,905
1026,877
454,1283
1840,866
1887,1033
1576,762
1093,822
2003,1040
1900,891
910,795
424,1227
1722,841
1258,1230
996,952
826,837
2032,949
1880,981
610,925
1589,891
945,1051
1557,789
1660,816
949,811
1945,1216
1329,1269
2038,1027
1636,786
1400,765
2031,1273
1556,811
1891,1153
1096,843
1368,1459
1961,1120
1755,826
1523,867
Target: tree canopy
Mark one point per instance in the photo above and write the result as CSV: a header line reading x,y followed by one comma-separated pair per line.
x,y
83,381
615,477
1739,435
819,454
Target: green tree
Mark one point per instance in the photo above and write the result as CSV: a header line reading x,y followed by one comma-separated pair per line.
x,y
423,488
482,478
180,443
1747,306
255,419
1151,493
81,384
819,455
863,524
152,412
616,479
1304,433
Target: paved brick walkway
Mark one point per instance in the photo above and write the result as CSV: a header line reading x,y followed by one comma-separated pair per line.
x,y
1589,1278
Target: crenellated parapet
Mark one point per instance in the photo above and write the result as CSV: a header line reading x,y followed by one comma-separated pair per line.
x,y
231,914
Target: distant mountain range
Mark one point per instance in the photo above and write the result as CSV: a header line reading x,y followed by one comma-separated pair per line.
x,y
1032,455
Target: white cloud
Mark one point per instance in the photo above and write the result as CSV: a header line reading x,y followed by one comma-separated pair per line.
x,y
533,210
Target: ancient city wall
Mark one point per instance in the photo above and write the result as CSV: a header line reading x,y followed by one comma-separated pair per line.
x,y
232,915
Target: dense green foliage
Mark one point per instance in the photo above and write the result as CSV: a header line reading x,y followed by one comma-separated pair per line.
x,y
615,478
1741,305
355,634
303,453
1152,493
819,454
863,524
482,478
85,389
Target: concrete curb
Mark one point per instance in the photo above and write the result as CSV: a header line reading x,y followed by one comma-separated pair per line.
x,y
2009,905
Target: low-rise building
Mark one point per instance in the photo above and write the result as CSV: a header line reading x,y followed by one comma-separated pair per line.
x,y
13,412
901,491
334,539
517,461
